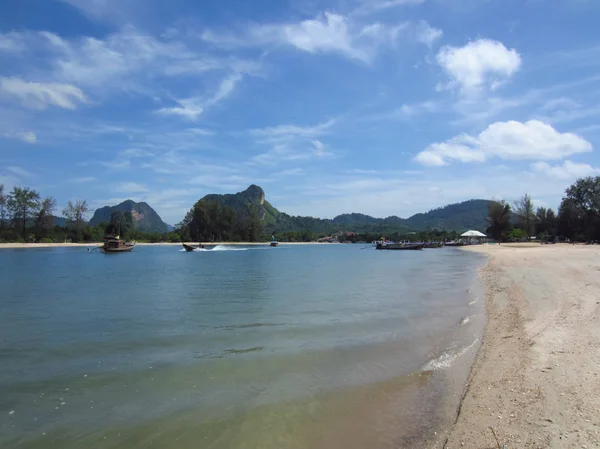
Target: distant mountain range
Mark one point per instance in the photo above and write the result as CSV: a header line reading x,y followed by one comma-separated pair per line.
x,y
454,217
470,214
145,218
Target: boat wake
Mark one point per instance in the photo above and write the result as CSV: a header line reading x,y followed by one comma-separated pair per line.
x,y
447,358
224,248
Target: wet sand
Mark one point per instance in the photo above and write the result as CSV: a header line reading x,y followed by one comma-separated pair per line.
x,y
536,380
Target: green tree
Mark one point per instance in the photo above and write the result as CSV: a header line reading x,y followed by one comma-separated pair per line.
x,y
22,203
525,213
255,226
3,200
498,219
44,219
75,215
582,202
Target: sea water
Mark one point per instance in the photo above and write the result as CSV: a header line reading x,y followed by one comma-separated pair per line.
x,y
300,346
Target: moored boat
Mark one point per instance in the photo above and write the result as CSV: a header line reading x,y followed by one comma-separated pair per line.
x,y
400,246
433,245
453,243
274,242
116,245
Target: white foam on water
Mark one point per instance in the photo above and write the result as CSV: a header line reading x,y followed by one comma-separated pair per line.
x,y
447,358
474,301
464,321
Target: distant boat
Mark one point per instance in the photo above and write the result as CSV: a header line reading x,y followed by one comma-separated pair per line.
x,y
189,248
116,245
400,246
433,245
274,242
453,243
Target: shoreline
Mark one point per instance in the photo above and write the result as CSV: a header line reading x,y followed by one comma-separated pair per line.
x,y
90,245
534,382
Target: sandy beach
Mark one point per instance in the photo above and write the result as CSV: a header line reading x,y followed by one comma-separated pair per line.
x,y
535,383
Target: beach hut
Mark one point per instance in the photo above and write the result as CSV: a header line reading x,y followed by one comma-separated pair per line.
x,y
474,235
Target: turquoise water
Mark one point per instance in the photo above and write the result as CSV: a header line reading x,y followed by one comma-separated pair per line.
x,y
303,346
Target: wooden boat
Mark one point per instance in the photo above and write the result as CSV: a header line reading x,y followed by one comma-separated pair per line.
x,y
274,242
189,248
400,246
433,245
116,245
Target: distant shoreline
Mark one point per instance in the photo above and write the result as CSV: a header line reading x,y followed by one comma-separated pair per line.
x,y
91,245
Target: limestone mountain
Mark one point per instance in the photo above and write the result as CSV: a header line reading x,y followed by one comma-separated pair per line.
x,y
145,218
454,217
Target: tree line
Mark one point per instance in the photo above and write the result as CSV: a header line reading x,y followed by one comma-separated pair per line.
x,y
27,217
578,217
210,221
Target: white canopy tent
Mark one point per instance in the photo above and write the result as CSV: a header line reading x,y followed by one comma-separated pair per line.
x,y
473,234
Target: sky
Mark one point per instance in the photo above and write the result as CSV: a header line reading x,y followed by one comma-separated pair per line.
x,y
384,107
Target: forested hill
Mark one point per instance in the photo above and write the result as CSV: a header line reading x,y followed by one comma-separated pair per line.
x,y
454,217
145,218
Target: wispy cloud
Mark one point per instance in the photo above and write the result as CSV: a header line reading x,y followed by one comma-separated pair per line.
x,y
568,171
41,95
192,108
328,33
130,187
367,7
83,180
19,171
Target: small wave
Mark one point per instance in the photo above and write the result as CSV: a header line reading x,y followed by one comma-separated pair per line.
x,y
474,301
464,321
446,360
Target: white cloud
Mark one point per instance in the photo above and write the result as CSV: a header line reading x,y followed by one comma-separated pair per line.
x,y
41,95
189,108
328,33
507,140
480,64
568,171
425,33
292,131
192,108
11,42
130,187
28,137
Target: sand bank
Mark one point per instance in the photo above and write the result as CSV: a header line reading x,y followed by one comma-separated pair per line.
x,y
536,380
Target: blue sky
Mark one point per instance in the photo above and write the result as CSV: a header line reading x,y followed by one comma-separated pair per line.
x,y
386,107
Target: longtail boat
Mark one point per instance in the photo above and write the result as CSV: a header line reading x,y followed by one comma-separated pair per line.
x,y
190,248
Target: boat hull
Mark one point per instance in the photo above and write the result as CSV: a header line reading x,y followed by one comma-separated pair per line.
x,y
401,246
274,244
122,249
433,245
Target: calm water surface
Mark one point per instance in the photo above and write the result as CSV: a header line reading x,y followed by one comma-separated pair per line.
x,y
316,346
